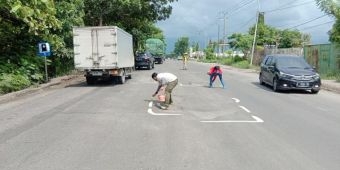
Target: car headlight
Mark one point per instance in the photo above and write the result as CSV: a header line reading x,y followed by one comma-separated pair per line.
x,y
286,76
316,76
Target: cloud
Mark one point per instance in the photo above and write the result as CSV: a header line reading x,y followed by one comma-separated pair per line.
x,y
202,20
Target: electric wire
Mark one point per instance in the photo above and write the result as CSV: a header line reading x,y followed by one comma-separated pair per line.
x,y
288,7
314,26
308,21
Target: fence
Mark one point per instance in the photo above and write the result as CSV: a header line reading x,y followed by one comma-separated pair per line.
x,y
296,51
324,57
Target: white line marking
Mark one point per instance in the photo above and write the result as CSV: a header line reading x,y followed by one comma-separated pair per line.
x,y
159,114
245,109
236,100
257,120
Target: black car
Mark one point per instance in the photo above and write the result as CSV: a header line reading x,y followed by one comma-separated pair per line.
x,y
159,59
286,72
144,60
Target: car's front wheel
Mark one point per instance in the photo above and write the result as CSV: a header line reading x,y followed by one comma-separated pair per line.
x,y
261,79
275,85
314,91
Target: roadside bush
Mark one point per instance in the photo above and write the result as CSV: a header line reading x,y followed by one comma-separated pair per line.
x,y
13,82
242,64
334,75
227,61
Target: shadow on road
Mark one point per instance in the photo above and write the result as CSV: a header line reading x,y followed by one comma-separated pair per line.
x,y
269,88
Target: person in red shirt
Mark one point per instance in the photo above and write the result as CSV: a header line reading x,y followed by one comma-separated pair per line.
x,y
214,72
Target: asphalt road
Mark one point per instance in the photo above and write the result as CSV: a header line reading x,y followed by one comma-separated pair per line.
x,y
117,127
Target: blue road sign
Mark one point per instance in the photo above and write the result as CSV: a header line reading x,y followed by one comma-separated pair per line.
x,y
44,49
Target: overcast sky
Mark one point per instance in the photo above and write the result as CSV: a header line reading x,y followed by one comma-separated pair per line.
x,y
200,20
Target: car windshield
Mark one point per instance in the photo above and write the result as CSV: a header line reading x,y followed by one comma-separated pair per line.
x,y
292,62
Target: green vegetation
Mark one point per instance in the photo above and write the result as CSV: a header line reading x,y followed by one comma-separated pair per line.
x,y
331,76
181,46
155,46
23,24
332,8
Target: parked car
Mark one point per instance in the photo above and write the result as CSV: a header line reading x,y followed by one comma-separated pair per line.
x,y
286,72
159,59
144,59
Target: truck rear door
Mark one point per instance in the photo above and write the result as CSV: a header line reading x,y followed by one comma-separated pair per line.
x,y
106,46
82,40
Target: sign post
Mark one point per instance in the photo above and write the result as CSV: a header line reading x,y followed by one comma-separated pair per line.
x,y
44,51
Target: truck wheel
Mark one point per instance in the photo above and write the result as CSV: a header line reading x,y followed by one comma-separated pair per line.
x,y
122,78
90,80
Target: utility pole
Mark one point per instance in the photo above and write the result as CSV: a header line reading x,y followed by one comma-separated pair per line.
x,y
218,39
224,30
255,33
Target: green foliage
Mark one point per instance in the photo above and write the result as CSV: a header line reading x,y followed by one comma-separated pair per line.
x,y
136,17
267,35
209,53
290,39
39,16
30,70
13,82
181,46
334,75
24,23
155,46
242,42
244,64
227,61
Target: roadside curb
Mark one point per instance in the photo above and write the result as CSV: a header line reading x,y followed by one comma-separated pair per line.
x,y
53,82
330,85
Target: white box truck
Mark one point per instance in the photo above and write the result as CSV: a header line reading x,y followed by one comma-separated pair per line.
x,y
103,53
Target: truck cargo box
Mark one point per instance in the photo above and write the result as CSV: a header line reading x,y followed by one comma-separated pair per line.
x,y
103,52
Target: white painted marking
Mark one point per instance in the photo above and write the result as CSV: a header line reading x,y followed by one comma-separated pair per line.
x,y
161,114
257,120
180,84
236,100
245,109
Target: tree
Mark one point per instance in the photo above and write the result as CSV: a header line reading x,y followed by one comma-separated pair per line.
x,y
267,35
242,42
181,46
289,39
136,17
155,46
195,46
332,7
25,23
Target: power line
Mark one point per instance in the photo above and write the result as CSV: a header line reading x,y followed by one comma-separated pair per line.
x,y
314,26
243,5
279,9
307,22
